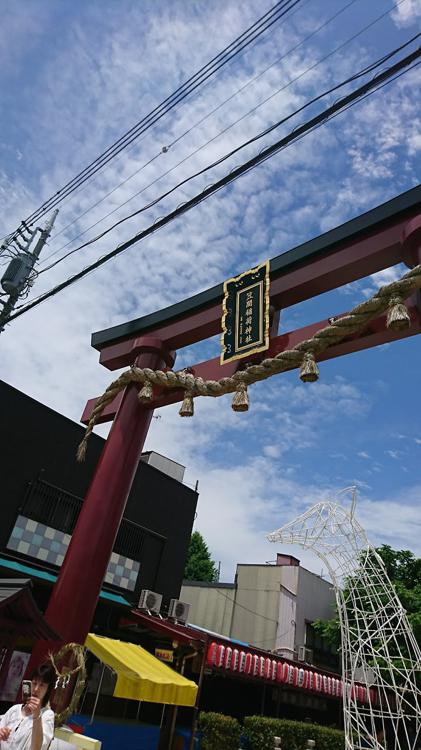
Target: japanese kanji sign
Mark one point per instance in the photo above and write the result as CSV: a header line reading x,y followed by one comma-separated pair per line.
x,y
245,314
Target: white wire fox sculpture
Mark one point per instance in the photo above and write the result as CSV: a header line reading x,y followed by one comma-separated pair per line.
x,y
379,650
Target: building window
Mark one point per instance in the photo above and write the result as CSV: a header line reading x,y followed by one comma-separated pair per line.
x,y
43,530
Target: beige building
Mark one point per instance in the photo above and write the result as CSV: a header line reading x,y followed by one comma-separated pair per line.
x,y
269,606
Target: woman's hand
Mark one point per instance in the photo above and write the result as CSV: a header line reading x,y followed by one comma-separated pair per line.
x,y
33,707
5,733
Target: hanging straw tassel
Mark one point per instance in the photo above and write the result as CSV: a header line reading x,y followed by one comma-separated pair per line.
x,y
397,315
187,407
309,371
145,394
240,402
81,451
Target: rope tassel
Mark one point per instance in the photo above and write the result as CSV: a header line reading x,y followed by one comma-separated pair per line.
x,y
145,394
187,407
240,402
309,371
397,315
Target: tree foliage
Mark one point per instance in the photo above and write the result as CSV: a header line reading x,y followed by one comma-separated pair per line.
x,y
199,564
404,570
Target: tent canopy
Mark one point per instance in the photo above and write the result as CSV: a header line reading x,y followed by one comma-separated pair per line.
x,y
140,675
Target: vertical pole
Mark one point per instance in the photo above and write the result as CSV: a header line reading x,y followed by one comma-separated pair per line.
x,y
196,708
74,598
31,259
91,721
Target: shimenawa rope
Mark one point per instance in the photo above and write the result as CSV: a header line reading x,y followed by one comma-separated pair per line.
x,y
389,297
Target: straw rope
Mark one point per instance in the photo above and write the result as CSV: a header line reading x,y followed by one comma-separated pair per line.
x,y
78,652
388,296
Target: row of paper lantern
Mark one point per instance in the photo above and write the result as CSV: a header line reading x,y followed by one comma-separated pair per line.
x,y
272,670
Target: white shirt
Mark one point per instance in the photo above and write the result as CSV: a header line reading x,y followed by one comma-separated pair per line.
x,y
21,726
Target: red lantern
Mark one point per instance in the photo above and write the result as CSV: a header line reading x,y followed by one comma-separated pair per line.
x,y
235,660
255,663
228,657
242,661
300,679
248,665
211,655
273,670
220,651
311,685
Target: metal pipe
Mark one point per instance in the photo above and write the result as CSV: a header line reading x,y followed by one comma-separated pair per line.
x,y
97,695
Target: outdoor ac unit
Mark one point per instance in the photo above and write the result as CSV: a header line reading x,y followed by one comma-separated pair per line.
x,y
178,610
150,601
305,654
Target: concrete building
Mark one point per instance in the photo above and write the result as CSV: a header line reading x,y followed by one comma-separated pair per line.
x,y
269,606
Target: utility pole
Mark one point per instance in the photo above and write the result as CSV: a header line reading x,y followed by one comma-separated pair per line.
x,y
17,274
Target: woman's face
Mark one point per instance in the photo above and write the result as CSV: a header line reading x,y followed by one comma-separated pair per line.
x,y
39,688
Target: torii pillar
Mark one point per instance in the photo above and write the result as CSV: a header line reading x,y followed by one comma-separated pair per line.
x,y
384,236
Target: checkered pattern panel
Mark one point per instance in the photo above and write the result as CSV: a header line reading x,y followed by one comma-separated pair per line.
x,y
50,545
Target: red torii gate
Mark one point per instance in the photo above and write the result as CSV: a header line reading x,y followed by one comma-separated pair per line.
x,y
383,237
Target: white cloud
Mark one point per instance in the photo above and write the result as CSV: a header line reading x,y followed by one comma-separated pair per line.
x,y
363,454
406,13
396,455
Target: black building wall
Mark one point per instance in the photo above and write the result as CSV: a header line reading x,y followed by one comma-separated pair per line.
x,y
37,442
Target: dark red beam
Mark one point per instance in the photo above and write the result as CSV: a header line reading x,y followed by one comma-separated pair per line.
x,y
375,334
355,260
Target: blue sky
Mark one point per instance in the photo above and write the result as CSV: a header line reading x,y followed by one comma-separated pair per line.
x,y
73,77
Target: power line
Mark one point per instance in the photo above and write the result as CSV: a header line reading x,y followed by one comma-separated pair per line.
x,y
219,161
205,117
163,150
195,151
342,104
278,11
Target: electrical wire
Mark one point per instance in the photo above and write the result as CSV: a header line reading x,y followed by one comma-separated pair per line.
x,y
265,22
164,149
219,161
186,158
233,601
263,617
268,18
204,118
386,76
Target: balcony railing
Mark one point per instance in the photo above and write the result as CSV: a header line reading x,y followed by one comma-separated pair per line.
x,y
59,509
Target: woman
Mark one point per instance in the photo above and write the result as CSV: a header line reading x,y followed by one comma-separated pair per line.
x,y
30,726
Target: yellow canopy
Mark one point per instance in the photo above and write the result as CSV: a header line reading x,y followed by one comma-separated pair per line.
x,y
140,675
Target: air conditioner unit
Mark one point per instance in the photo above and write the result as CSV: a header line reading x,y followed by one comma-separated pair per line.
x,y
178,610
150,601
305,654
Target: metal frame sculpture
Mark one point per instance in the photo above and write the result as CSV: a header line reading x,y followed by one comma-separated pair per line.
x,y
379,650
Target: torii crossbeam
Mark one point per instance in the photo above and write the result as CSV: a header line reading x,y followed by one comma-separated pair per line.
x,y
383,237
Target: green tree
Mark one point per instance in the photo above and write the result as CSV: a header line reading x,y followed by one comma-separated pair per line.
x,y
199,564
404,570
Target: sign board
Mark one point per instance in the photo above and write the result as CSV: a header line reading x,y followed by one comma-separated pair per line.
x,y
164,654
16,671
245,314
